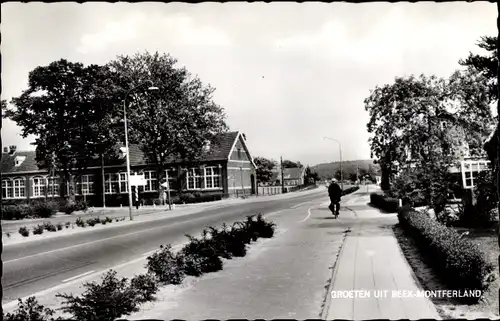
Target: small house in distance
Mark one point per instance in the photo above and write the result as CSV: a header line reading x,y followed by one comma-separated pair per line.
x,y
225,169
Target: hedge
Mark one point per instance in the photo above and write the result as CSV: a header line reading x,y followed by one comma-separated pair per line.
x,y
458,261
384,202
37,209
350,190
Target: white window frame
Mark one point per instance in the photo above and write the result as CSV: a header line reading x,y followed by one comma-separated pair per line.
x,y
149,187
86,184
114,178
122,180
191,174
7,185
470,168
48,186
211,178
20,187
42,186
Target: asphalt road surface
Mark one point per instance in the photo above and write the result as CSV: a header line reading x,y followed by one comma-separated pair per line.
x,y
35,266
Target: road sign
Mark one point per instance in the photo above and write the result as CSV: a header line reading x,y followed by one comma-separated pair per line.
x,y
166,185
138,180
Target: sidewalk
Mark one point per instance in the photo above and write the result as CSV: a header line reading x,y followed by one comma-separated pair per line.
x,y
371,260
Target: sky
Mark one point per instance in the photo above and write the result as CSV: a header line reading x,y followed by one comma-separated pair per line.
x,y
286,74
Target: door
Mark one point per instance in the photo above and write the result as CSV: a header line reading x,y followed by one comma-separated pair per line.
x,y
252,181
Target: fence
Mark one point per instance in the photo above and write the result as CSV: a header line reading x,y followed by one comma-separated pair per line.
x,y
273,190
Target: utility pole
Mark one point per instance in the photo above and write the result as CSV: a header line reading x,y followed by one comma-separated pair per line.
x,y
282,176
498,131
103,183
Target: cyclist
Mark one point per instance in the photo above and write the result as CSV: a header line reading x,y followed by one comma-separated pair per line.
x,y
335,194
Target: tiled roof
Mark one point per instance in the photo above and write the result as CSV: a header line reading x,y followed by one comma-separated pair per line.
x,y
219,151
28,165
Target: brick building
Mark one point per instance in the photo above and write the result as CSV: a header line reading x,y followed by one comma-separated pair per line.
x,y
226,169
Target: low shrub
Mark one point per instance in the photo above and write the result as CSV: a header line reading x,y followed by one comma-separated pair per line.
x,y
199,256
59,226
49,227
187,198
16,212
107,219
80,222
146,286
166,265
44,209
157,202
350,190
263,228
107,301
384,202
37,230
225,242
24,231
67,224
93,221
30,310
81,206
459,261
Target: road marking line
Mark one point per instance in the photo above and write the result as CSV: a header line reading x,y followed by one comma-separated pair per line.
x,y
308,215
78,276
97,241
13,304
295,206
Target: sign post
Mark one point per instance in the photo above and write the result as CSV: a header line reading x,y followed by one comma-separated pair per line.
x,y
136,181
167,186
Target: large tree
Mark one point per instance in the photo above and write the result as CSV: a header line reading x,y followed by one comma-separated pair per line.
x,y
264,169
290,164
427,118
173,122
67,106
486,64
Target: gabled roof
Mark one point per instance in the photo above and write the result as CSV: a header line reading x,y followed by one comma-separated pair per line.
x,y
219,151
29,164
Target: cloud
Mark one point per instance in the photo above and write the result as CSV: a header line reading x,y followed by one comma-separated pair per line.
x,y
174,29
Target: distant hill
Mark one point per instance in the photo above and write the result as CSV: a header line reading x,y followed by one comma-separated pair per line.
x,y
328,170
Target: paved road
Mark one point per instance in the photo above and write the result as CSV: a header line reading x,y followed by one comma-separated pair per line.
x,y
35,266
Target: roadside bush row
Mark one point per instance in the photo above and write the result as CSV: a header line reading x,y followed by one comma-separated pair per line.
x,y
384,202
40,209
459,261
115,297
47,226
350,190
204,255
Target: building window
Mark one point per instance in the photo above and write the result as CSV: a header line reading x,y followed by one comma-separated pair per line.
x,y
111,184
19,188
52,186
39,186
212,177
239,153
123,182
7,188
194,178
151,181
172,177
86,185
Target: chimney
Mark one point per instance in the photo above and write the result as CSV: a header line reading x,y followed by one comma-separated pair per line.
x,y
12,149
244,136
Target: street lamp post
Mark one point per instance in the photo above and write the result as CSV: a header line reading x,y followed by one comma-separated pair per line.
x,y
129,188
340,153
